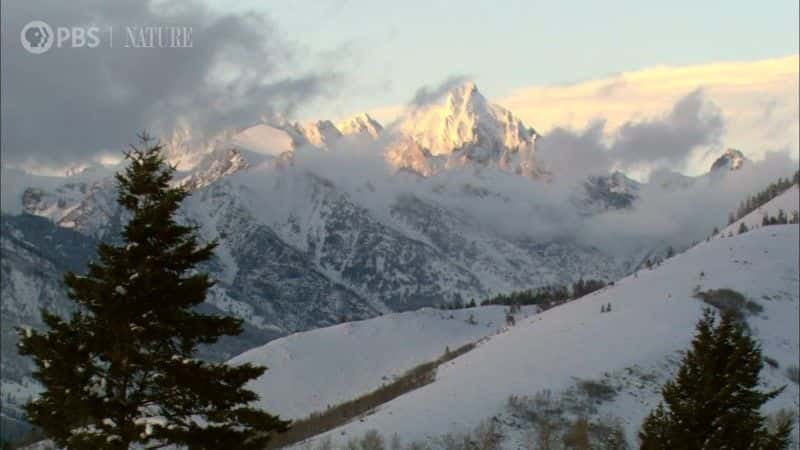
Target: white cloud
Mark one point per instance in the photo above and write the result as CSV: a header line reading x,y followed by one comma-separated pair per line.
x,y
758,102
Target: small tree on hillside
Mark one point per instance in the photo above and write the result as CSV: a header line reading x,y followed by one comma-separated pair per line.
x,y
713,402
120,371
743,228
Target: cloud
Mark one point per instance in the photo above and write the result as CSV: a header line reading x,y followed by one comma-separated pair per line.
x,y
668,141
76,103
429,94
757,102
553,210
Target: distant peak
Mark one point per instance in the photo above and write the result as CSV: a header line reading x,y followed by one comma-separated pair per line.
x,y
466,88
360,123
465,93
732,159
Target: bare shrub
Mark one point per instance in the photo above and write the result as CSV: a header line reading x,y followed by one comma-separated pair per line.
x,y
597,391
577,435
609,434
416,445
547,434
395,443
730,301
487,436
372,440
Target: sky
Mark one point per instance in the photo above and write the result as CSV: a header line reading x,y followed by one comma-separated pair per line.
x,y
555,64
507,45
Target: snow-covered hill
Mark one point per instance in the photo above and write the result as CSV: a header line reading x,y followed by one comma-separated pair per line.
x,y
788,201
634,348
328,366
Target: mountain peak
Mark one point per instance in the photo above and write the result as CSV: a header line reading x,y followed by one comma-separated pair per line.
x,y
732,159
463,127
360,123
466,91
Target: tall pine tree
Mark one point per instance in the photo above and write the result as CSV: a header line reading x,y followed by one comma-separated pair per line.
x,y
713,403
120,370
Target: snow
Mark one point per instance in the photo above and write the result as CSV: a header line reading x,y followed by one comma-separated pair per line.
x,y
652,321
264,139
309,371
360,124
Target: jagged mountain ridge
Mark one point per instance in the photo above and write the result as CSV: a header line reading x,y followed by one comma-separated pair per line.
x,y
459,129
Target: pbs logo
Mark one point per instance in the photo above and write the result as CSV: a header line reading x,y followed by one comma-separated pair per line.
x,y
37,37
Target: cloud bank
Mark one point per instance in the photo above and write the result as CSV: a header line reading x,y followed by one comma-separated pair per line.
x,y
757,102
75,103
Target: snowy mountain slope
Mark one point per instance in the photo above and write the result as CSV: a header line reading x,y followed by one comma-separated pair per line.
x,y
788,201
328,366
652,321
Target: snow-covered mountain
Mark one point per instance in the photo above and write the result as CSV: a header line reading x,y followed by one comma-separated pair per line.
x,y
615,191
631,350
360,124
459,129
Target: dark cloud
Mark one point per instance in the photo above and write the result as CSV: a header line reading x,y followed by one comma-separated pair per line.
x,y
668,141
578,154
71,103
428,94
692,123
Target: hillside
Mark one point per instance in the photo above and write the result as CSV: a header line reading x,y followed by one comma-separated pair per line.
x,y
335,364
633,349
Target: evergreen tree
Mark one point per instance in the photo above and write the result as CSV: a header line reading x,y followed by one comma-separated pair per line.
x,y
670,252
120,371
713,402
782,217
742,228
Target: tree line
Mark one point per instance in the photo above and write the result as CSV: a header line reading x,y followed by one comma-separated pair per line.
x,y
759,199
